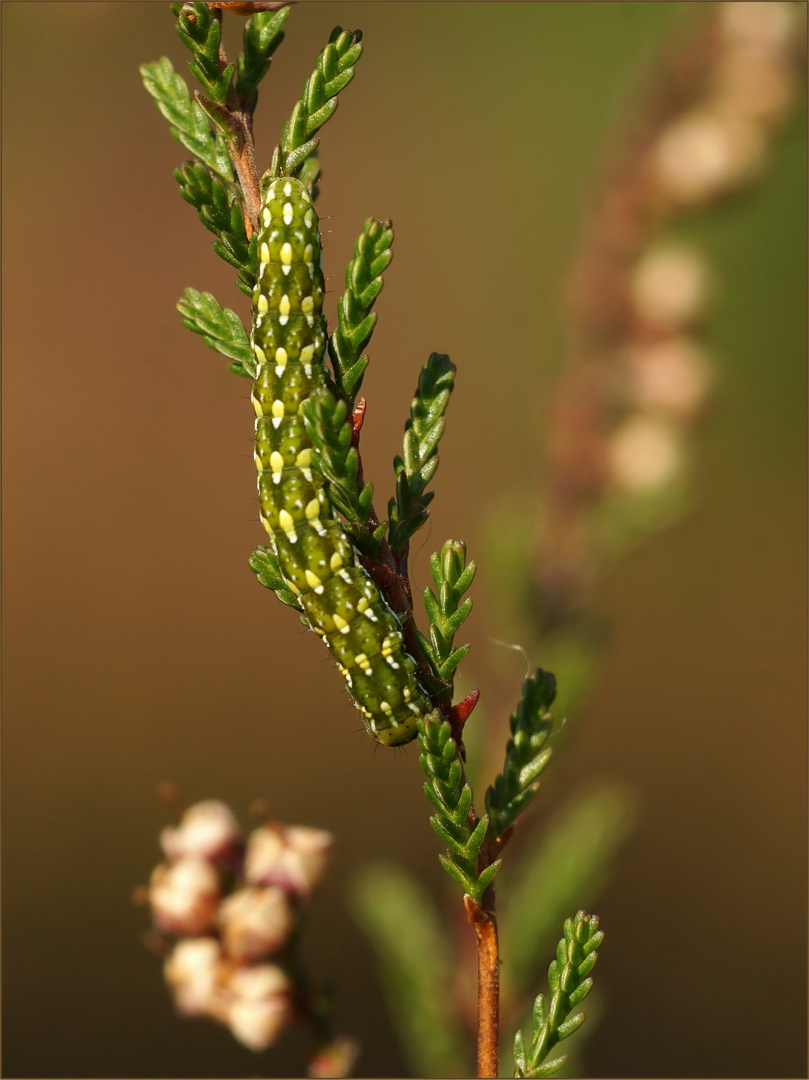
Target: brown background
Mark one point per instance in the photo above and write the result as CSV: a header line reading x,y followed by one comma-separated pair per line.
x,y
137,645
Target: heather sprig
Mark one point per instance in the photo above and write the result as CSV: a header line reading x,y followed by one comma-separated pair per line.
x,y
570,982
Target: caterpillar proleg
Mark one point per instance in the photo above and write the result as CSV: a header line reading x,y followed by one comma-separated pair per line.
x,y
316,558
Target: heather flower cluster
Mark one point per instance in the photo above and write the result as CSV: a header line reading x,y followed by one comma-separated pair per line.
x,y
639,375
229,907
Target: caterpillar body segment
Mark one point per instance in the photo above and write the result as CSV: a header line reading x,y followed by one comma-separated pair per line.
x,y
316,558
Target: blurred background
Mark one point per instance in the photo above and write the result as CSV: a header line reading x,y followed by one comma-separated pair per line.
x,y
137,646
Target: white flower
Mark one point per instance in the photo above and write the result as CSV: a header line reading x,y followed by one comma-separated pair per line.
x,y
255,922
192,971
257,1024
208,830
293,858
260,1006
184,896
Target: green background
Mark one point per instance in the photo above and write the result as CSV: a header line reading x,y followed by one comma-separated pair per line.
x,y
138,647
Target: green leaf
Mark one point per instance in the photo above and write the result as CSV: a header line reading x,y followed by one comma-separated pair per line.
x,y
552,1025
355,321
189,124
318,101
525,756
263,33
221,329
335,457
408,509
264,565
221,211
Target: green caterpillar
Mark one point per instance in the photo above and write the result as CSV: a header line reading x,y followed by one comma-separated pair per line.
x,y
317,560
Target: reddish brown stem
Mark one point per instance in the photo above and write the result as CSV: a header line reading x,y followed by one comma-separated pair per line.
x,y
485,924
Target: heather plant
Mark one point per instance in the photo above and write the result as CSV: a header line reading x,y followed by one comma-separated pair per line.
x,y
226,910
227,907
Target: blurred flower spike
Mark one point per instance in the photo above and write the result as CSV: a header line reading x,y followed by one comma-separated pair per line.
x,y
229,906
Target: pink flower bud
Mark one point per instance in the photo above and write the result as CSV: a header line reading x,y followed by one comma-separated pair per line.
x,y
255,922
207,830
672,374
184,897
192,971
293,858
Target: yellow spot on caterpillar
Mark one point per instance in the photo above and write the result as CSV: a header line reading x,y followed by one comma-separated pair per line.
x,y
385,707
258,461
267,218
287,524
341,624
287,208
313,581
335,562
293,588
264,252
312,509
392,663
277,409
362,604
308,219
308,252
257,405
283,305
287,189
277,466
304,458
307,304
406,693
262,303
257,349
387,647
286,254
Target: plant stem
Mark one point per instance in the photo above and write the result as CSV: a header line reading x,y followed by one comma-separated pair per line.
x,y
484,921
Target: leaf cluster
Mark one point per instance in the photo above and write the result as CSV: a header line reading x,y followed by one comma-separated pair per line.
x,y
264,564
263,33
200,30
355,321
570,983
317,103
335,456
221,329
417,465
446,612
188,123
451,796
525,758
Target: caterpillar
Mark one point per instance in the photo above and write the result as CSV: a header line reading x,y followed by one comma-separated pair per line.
x,y
317,559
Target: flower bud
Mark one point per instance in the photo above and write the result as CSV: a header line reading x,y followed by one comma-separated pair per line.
x,y
768,25
672,374
293,858
207,830
192,970
644,453
184,897
670,286
707,153
261,1005
255,922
